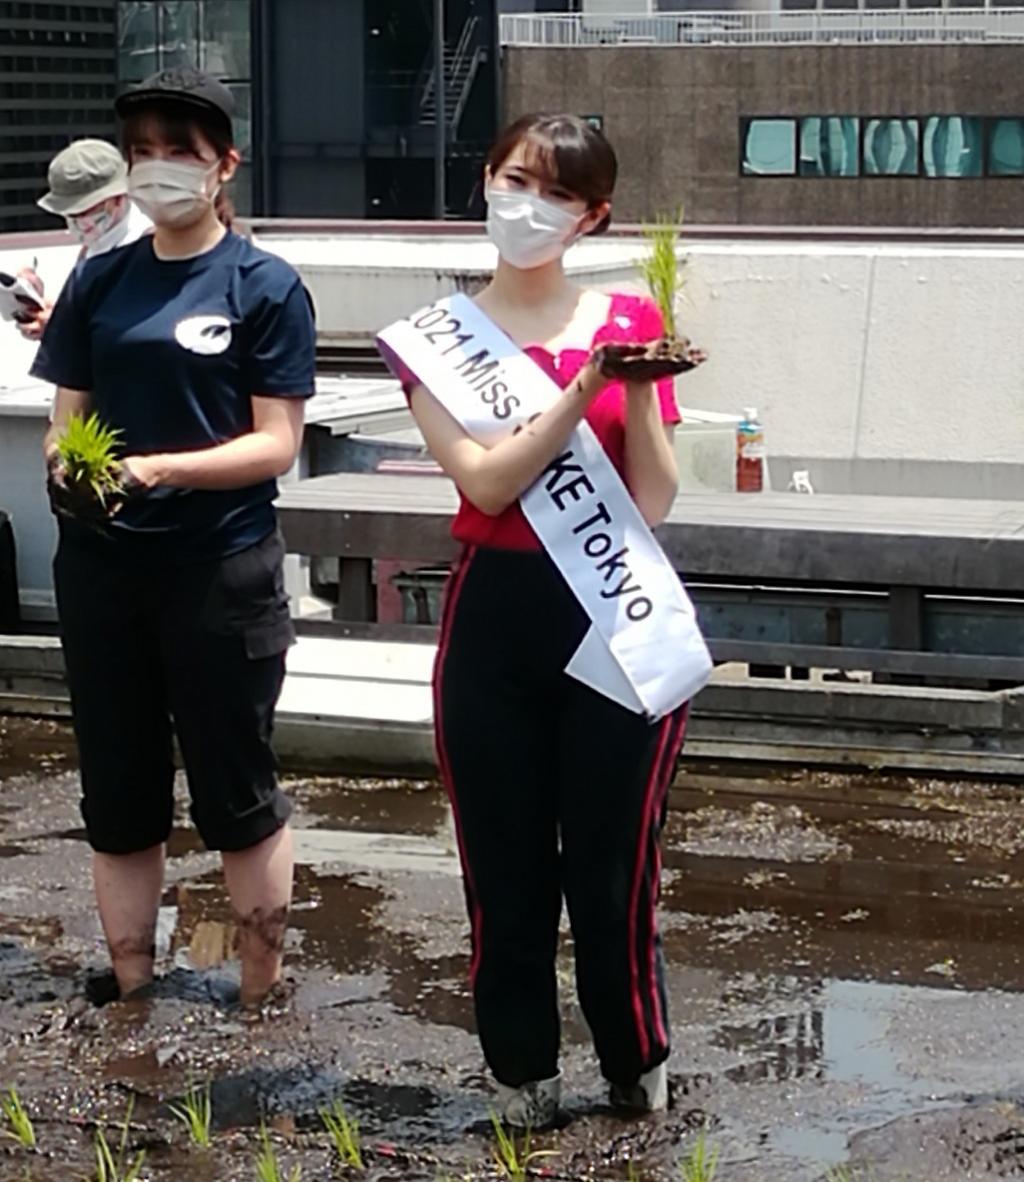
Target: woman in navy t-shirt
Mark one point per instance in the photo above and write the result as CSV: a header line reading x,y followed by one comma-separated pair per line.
x,y
198,349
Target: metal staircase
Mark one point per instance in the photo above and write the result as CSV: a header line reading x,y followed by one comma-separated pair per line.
x,y
461,64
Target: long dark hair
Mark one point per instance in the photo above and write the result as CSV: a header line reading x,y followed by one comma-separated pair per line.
x,y
567,149
181,126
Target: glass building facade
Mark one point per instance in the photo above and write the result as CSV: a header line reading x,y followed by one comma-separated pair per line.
x,y
57,83
215,36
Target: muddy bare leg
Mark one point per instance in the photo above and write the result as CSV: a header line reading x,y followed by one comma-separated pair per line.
x,y
259,881
128,888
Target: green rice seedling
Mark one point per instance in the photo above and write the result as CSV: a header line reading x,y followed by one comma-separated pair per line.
x,y
514,1161
268,1169
88,453
19,1123
196,1113
701,1163
115,1167
660,268
632,1173
344,1131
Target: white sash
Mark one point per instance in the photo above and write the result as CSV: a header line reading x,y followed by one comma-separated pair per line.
x,y
644,649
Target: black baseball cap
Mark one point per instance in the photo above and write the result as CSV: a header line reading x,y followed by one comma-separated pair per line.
x,y
179,84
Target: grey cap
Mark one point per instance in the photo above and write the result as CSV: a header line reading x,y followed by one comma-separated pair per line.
x,y
82,175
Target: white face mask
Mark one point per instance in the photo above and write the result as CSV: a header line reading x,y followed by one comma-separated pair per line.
x,y
527,230
171,192
98,232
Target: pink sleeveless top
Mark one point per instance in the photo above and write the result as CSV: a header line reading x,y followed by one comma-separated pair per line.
x,y
630,319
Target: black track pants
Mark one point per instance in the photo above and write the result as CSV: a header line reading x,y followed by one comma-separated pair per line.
x,y
557,791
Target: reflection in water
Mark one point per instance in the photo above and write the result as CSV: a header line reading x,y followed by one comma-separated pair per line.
x,y
783,1046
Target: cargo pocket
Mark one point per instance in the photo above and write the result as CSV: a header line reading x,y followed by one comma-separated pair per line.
x,y
247,594
268,639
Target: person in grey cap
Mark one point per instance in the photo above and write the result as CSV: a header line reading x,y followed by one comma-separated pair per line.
x,y
89,189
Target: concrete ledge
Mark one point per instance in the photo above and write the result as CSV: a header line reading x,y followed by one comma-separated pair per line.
x,y
355,746
364,707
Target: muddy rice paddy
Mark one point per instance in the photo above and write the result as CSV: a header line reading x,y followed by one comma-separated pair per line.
x,y
845,978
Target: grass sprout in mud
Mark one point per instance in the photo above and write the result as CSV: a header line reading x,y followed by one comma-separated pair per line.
x,y
344,1131
700,1164
833,1013
18,1122
196,1113
515,1160
268,1168
111,1167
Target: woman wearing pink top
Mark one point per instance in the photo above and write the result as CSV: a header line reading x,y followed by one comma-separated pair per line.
x,y
557,790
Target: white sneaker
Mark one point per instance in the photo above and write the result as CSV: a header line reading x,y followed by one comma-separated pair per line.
x,y
533,1105
648,1094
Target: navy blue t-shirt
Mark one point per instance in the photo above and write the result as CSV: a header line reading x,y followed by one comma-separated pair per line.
x,y
172,352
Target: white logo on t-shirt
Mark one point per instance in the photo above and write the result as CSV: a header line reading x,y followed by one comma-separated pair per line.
x,y
204,334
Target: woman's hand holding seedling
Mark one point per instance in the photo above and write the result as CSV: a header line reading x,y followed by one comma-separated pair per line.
x,y
85,478
636,364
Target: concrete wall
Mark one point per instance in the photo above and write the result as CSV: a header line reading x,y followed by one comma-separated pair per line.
x,y
673,114
882,368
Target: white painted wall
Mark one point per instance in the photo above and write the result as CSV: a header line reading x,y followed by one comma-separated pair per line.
x,y
861,351
870,352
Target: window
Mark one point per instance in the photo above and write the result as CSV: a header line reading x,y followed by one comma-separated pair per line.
x,y
1006,147
136,40
952,146
241,92
830,146
769,147
179,33
891,147
225,39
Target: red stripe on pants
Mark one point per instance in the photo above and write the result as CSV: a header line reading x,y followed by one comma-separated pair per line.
x,y
634,965
458,578
671,751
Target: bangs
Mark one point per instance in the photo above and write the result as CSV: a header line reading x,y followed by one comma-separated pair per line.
x,y
568,164
175,126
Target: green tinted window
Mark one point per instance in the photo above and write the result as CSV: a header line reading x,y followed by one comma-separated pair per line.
x,y
891,147
952,146
1006,147
829,146
769,147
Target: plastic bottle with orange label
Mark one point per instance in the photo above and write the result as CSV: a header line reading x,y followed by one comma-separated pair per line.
x,y
750,453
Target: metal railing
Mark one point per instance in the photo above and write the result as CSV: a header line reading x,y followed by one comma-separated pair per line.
x,y
460,69
807,27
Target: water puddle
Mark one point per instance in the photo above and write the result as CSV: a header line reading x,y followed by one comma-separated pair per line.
x,y
844,965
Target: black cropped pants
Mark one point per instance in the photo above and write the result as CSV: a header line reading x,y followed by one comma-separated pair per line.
x,y
196,651
557,791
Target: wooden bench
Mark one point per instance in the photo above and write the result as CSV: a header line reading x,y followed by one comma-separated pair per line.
x,y
895,585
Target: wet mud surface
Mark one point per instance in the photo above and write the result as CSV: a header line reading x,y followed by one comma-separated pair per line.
x,y
844,973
